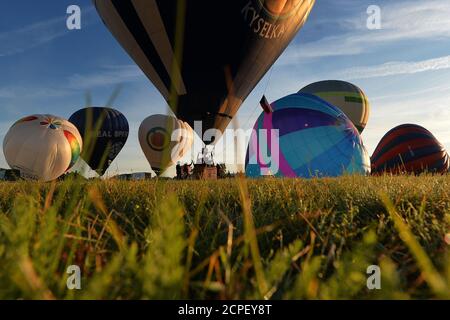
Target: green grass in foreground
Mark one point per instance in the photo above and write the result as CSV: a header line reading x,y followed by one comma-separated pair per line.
x,y
231,239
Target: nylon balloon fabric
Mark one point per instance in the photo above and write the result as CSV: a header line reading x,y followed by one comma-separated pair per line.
x,y
105,132
346,96
409,148
42,147
204,57
164,140
315,139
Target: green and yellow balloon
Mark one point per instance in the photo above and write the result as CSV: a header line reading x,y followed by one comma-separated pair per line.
x,y
344,95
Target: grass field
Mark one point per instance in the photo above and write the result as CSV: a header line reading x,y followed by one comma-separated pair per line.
x,y
230,239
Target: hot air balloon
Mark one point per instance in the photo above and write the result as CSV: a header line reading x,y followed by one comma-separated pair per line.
x,y
204,59
344,95
104,131
164,140
42,147
409,148
315,139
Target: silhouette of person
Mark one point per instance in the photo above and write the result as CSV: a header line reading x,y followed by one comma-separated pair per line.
x,y
204,155
219,170
185,171
178,170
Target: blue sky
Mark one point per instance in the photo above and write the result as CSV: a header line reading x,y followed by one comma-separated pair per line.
x,y
404,67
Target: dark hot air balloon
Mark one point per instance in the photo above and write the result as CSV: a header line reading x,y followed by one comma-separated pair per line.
x,y
409,148
204,57
104,131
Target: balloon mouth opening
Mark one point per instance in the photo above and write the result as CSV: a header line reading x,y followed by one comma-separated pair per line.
x,y
158,139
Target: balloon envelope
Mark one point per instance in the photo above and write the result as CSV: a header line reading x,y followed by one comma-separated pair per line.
x,y
42,147
221,50
164,140
409,148
344,95
104,131
315,140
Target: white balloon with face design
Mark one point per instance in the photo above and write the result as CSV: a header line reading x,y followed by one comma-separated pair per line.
x,y
42,147
164,140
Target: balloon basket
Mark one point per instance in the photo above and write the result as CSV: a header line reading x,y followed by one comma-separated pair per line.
x,y
205,172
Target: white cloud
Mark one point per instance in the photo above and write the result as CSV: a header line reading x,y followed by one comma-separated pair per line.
x,y
12,92
109,75
405,20
105,76
37,34
431,113
415,20
395,68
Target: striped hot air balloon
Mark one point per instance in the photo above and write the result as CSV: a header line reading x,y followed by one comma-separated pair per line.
x,y
315,139
105,132
204,56
409,148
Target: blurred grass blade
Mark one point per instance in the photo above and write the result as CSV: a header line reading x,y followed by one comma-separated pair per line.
x,y
430,274
251,238
115,94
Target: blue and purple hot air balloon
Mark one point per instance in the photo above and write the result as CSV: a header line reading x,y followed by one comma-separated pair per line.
x,y
315,139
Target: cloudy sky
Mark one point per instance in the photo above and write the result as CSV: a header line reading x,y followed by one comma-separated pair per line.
x,y
404,67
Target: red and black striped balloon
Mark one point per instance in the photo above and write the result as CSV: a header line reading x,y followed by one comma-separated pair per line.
x,y
409,148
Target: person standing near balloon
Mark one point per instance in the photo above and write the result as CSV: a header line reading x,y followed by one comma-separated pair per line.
x,y
178,170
